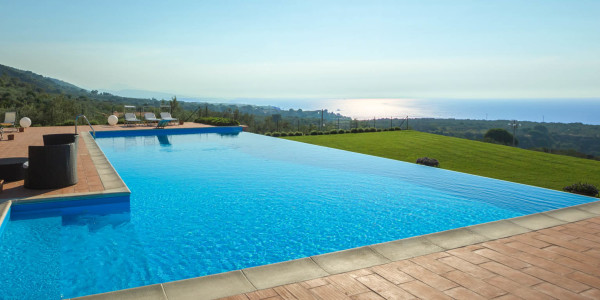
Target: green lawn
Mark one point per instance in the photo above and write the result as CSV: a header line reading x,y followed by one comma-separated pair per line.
x,y
485,159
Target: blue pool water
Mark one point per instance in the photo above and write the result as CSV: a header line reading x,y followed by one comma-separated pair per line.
x,y
204,203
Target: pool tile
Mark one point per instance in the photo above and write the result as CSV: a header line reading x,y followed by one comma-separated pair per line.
x,y
537,221
349,260
456,238
284,272
209,287
570,214
499,229
406,248
150,292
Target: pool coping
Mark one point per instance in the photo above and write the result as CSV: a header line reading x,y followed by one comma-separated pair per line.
x,y
317,266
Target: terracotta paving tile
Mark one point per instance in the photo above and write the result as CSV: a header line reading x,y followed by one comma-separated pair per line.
x,y
423,291
593,252
501,247
384,288
577,265
554,232
513,274
509,297
434,280
591,294
560,242
315,283
392,274
593,281
262,294
515,288
299,291
586,243
535,251
503,259
236,297
348,284
475,284
329,292
283,293
274,298
528,239
467,254
557,292
466,267
360,273
367,296
462,293
572,254
430,263
556,279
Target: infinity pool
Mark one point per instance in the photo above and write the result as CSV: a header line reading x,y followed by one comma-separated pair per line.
x,y
221,200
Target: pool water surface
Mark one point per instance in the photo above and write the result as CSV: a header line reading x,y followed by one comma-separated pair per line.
x,y
211,202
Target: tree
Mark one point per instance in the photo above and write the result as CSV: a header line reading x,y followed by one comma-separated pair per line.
x,y
499,136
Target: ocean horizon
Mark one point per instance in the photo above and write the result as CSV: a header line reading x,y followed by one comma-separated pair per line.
x,y
584,111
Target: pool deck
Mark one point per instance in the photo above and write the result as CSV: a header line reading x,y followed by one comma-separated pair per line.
x,y
548,255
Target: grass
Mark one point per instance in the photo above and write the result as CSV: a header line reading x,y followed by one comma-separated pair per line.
x,y
496,161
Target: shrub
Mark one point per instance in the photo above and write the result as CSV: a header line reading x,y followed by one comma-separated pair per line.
x,y
341,131
276,134
582,189
499,136
372,129
432,162
387,129
216,121
378,129
314,132
333,131
267,133
353,130
360,130
283,134
298,133
397,128
320,132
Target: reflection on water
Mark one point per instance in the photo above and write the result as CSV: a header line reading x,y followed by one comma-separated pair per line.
x,y
163,140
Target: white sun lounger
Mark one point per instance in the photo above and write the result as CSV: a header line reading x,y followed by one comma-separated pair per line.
x,y
130,118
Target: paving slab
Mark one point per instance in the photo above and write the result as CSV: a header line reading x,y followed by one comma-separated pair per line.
x,y
570,214
406,248
498,229
455,238
593,207
208,287
349,260
284,272
150,292
537,221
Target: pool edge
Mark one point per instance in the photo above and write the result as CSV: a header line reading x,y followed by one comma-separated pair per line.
x,y
293,271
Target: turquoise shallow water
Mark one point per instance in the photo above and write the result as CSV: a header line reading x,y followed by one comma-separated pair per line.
x,y
206,203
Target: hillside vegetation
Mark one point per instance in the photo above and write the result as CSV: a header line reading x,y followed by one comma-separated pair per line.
x,y
473,157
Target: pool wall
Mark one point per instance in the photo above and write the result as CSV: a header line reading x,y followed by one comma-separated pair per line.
x,y
4,212
168,131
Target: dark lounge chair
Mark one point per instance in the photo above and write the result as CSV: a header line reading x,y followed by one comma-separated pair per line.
x,y
53,165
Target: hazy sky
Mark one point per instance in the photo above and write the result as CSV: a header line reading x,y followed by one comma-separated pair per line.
x,y
322,49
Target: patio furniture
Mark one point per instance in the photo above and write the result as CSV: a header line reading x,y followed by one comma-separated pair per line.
x,y
151,117
11,169
161,124
130,118
167,117
9,119
53,165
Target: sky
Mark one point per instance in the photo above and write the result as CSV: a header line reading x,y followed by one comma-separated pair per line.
x,y
311,49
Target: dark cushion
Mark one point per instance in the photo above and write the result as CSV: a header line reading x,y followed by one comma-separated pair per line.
x,y
51,166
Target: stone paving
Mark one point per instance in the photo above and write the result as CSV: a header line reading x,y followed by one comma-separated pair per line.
x,y
561,262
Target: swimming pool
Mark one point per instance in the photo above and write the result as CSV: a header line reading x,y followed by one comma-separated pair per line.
x,y
220,200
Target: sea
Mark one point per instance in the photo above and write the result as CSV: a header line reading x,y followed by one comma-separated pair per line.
x,y
586,111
